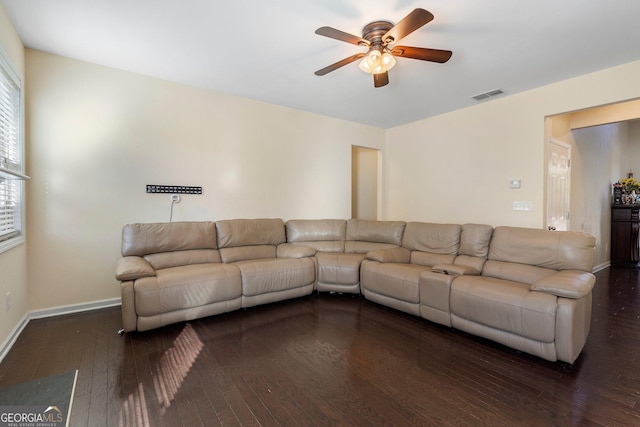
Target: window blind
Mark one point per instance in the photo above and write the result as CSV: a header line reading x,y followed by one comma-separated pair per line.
x,y
10,154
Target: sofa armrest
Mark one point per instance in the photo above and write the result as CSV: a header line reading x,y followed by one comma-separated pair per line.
x,y
132,268
400,255
566,283
287,250
455,270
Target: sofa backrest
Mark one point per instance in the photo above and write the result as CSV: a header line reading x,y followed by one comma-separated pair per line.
x,y
367,235
245,239
143,239
171,244
324,235
528,254
432,244
474,245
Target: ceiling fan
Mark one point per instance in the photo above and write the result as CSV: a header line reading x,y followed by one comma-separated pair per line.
x,y
378,36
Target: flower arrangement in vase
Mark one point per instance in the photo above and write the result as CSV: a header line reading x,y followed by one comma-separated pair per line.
x,y
626,191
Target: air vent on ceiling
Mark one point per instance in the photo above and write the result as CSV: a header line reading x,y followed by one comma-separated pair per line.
x,y
489,94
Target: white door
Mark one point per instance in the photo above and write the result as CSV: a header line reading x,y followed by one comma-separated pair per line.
x,y
558,185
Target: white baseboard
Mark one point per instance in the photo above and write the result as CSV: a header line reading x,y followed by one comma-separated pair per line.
x,y
601,266
52,312
13,336
74,308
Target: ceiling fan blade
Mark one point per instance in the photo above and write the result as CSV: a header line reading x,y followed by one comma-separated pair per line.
x,y
381,79
422,53
416,19
339,64
342,36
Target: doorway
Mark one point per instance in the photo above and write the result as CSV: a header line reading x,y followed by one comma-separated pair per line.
x,y
602,141
365,166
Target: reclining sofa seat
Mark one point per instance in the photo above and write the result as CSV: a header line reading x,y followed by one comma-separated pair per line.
x,y
172,272
435,285
534,293
392,276
341,246
271,269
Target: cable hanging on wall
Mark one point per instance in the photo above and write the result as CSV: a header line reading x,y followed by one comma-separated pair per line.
x,y
174,199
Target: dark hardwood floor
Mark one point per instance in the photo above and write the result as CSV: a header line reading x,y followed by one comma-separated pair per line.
x,y
335,360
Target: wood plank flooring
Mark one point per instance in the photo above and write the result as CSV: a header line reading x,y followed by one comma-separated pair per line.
x,y
335,360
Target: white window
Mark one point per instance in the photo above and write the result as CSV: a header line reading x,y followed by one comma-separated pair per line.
x,y
11,165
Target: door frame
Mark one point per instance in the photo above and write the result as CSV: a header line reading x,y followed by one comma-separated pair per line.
x,y
549,199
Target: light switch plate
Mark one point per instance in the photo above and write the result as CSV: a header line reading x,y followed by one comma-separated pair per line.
x,y
522,206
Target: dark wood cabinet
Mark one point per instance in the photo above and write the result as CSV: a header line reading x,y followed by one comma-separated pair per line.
x,y
625,228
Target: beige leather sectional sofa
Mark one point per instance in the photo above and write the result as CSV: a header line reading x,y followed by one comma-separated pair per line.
x,y
526,288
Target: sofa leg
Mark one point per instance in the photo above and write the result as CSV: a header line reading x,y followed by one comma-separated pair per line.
x,y
121,331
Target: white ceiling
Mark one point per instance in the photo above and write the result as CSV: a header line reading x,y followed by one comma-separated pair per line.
x,y
267,50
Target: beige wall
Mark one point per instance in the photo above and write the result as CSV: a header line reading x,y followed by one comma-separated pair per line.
x,y
99,135
13,263
456,167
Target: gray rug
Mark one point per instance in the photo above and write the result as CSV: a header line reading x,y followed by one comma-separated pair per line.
x,y
46,401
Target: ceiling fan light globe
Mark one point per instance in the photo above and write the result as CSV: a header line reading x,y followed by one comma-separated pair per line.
x,y
388,60
364,66
374,58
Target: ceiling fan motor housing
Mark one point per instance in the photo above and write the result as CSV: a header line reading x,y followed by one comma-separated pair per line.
x,y
374,31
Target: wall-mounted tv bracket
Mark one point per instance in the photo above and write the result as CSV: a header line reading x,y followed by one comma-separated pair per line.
x,y
173,189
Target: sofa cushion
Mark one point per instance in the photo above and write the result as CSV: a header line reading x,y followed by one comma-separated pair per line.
x,y
389,232
289,250
505,305
455,270
390,255
322,235
323,245
357,247
429,259
475,239
143,239
474,247
250,232
186,286
177,258
263,276
247,239
473,262
243,253
315,230
523,273
558,250
443,239
339,269
399,281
